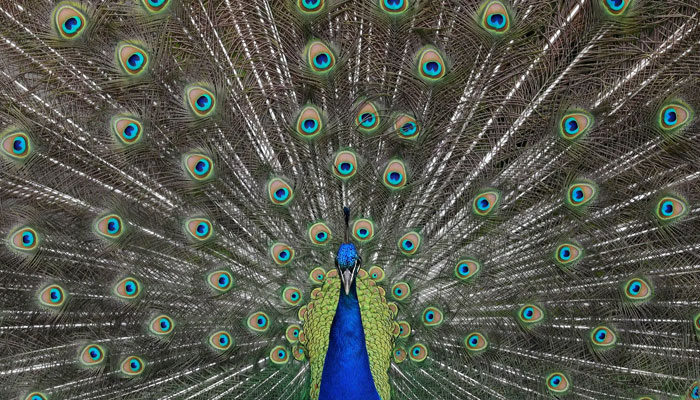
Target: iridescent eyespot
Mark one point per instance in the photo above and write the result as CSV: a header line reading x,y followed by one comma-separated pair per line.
x,y
574,124
495,17
24,239
404,329
16,145
161,325
199,229
320,57
568,254
309,122
220,280
409,243
202,101
616,7
110,226
393,7
281,253
486,202
637,289
603,336
418,352
319,233
530,314
128,130
406,126
280,192
432,316
400,291
36,396
557,382
291,296
694,391
317,275
128,288
198,166
92,354
431,65
69,20
376,273
221,340
399,355
345,164
395,175
52,296
133,59
155,6
132,366
467,269
292,333
671,208
298,352
279,355
363,230
310,6
367,117
580,194
674,116
258,322
476,342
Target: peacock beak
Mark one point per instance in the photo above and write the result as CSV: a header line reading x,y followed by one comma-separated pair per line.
x,y
347,278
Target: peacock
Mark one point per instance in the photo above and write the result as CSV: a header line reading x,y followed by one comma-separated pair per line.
x,y
349,199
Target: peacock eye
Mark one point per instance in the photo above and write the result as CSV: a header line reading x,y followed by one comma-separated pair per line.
x,y
319,233
409,243
126,129
317,275
376,273
603,336
580,194
69,21
467,269
310,6
280,192
367,117
575,124
133,59
292,333
24,239
132,366
128,288
36,396
393,7
258,322
52,296
16,145
345,164
92,354
282,253
674,116
557,382
399,355
637,289
363,230
615,7
485,203
530,314
279,355
418,352
309,123
400,291
155,6
431,65
199,229
220,340
110,226
567,254
162,325
395,175
404,329
320,58
202,101
495,17
291,296
476,342
432,316
198,166
406,126
670,208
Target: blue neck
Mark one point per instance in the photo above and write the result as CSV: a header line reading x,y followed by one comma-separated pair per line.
x,y
346,373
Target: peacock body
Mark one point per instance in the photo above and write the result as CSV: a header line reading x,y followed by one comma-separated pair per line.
x,y
392,199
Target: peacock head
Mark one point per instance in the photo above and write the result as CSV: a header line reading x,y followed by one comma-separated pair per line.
x,y
347,260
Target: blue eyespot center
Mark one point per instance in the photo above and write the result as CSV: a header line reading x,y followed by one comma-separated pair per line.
x,y
309,125
362,232
294,296
555,380
670,117
156,3
635,287
321,236
281,194
408,129
130,287
528,313
262,321
311,4
416,351
19,145
164,324
429,316
203,102
497,20
135,61
398,291
395,177
565,253
577,195
393,4
202,167
464,269
667,208
345,168
135,365
112,225
616,4
600,335
223,340
27,239
473,340
283,255
281,354
130,131
432,68
367,119
296,332
94,353
322,60
223,281
571,125
55,295
71,25
202,229
483,204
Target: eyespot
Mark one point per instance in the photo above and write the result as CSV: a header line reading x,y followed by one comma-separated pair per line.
x,y
220,280
432,316
198,166
162,325
674,116
202,101
319,233
259,322
133,59
221,340
279,191
530,314
467,269
476,342
16,145
311,6
485,203
363,230
399,355
24,239
580,194
128,288
694,391
132,366
92,354
409,243
367,117
298,352
291,296
155,6
309,123
400,291
320,58
199,228
393,309
36,396
110,226
637,289
418,352
345,164
568,254
431,66
404,329
376,273
279,355
52,296
670,208
317,275
557,382
495,17
395,175
574,124
127,130
393,7
603,336
406,126
282,253
69,21
615,7
292,333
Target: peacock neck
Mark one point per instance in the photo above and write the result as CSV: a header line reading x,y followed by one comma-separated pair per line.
x,y
346,373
